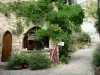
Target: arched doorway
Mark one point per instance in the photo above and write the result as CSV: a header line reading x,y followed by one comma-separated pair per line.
x,y
6,46
31,44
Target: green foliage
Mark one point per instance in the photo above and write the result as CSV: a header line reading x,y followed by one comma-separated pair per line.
x,y
39,61
4,8
67,13
98,23
77,29
64,59
96,58
17,60
63,55
77,40
67,17
76,17
38,11
83,38
34,11
53,31
40,34
18,28
14,60
91,10
23,57
48,0
51,16
45,6
70,45
62,22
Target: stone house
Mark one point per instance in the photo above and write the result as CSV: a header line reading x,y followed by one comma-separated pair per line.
x,y
10,43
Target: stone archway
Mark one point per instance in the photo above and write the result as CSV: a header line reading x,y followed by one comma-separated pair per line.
x,y
6,46
31,44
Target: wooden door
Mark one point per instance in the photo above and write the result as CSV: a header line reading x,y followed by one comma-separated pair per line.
x,y
6,46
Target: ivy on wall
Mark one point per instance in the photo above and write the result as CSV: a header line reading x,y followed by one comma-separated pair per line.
x,y
33,11
61,22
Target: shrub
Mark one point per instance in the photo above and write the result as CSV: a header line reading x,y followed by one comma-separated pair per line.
x,y
83,38
17,60
96,58
63,55
77,40
71,43
14,60
39,60
64,59
72,47
23,57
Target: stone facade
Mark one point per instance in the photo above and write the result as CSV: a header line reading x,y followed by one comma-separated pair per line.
x,y
7,23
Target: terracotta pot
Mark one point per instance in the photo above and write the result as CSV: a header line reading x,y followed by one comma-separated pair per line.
x,y
25,65
17,67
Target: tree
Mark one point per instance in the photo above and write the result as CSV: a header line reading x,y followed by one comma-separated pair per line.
x,y
98,22
98,5
91,10
60,23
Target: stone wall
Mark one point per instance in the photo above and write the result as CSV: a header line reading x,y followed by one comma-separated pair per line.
x,y
5,25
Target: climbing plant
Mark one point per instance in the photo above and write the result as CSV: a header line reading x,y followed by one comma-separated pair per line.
x,y
53,31
66,18
33,11
60,19
17,30
62,22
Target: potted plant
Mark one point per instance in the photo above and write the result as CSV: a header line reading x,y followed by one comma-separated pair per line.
x,y
24,59
17,66
18,61
14,62
25,65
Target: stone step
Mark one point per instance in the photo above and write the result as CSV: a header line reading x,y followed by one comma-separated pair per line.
x,y
3,65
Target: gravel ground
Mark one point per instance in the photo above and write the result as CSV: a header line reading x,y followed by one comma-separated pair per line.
x,y
79,64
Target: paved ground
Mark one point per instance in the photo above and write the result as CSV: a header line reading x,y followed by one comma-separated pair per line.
x,y
79,64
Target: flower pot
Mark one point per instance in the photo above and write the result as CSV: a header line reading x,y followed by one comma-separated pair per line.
x,y
17,67
25,65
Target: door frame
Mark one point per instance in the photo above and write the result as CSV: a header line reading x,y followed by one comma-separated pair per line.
x,y
3,43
